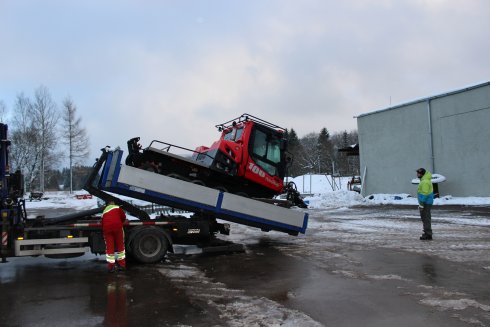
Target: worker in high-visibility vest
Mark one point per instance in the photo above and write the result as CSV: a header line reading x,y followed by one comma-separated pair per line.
x,y
113,219
425,195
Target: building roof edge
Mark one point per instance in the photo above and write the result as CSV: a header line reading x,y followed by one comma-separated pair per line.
x,y
425,99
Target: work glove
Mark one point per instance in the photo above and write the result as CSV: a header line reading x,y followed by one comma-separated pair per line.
x,y
421,206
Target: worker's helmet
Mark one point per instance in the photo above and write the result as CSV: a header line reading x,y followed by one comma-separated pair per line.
x,y
421,171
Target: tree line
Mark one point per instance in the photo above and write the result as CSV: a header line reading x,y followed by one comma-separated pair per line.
x,y
317,153
43,134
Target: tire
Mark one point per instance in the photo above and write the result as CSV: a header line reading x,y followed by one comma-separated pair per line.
x,y
150,245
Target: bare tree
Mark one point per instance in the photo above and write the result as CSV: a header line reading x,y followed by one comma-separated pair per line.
x,y
3,111
75,136
320,153
25,149
45,118
311,158
346,165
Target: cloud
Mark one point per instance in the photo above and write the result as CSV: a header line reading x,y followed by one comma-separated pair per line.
x,y
172,70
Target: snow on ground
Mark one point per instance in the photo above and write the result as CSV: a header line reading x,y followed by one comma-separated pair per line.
x,y
61,200
336,199
234,306
326,192
343,198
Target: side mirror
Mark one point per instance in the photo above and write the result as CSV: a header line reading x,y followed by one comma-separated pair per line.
x,y
284,144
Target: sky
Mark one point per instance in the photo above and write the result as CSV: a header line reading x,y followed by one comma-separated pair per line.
x,y
172,70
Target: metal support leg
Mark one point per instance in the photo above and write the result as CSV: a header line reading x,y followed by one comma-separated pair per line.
x,y
5,229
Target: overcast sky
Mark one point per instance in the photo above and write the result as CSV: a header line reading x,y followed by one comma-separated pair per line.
x,y
171,70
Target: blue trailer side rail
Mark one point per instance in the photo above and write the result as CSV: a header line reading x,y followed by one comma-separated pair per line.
x,y
148,186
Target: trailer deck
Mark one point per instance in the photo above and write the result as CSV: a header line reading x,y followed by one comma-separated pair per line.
x,y
152,187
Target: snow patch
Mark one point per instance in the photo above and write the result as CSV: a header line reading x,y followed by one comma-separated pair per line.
x,y
460,304
62,200
386,277
347,273
336,199
236,308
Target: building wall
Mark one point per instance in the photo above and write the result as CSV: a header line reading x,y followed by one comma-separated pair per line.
x,y
395,142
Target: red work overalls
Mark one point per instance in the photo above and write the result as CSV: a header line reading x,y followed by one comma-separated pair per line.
x,y
113,219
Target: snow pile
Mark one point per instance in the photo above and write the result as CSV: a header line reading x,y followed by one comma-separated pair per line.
x,y
335,199
390,199
407,199
318,184
342,198
323,191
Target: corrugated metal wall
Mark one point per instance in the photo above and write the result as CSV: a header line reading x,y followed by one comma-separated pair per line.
x,y
448,134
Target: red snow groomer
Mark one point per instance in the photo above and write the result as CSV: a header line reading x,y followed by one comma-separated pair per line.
x,y
250,159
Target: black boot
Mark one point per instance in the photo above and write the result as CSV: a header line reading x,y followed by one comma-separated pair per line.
x,y
426,237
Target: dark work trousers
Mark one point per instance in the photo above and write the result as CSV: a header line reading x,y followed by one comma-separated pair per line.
x,y
426,218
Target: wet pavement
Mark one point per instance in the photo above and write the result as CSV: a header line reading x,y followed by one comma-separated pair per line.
x,y
359,266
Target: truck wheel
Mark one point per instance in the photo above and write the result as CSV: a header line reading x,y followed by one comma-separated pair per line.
x,y
149,245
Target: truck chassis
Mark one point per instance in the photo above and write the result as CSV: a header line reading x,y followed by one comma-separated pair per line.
x,y
147,240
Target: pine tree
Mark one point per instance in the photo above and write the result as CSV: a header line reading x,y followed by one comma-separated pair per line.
x,y
296,150
324,151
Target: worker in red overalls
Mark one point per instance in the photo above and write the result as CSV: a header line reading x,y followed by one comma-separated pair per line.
x,y
113,219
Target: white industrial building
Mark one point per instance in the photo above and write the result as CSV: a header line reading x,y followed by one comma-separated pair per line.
x,y
448,134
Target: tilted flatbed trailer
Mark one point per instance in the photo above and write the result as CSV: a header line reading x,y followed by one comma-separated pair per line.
x,y
149,186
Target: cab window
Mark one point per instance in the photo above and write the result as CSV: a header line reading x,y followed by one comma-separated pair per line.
x,y
266,152
233,134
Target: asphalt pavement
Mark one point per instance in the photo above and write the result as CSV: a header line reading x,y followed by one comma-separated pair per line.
x,y
360,266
